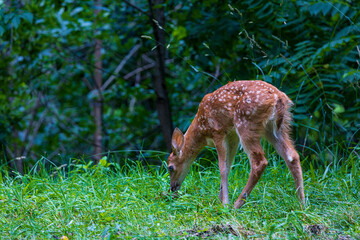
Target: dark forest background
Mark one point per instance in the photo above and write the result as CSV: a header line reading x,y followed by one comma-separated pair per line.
x,y
84,79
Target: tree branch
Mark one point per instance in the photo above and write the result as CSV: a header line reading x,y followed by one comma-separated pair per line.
x,y
35,132
136,7
33,113
120,66
143,68
12,155
87,83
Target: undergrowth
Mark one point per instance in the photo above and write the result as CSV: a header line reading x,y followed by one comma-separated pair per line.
x,y
112,201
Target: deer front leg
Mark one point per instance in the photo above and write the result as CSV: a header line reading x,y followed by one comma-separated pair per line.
x,y
226,148
258,165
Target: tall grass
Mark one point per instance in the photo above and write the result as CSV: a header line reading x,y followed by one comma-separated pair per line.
x,y
113,201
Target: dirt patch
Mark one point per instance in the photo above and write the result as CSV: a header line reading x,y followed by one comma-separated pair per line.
x,y
214,230
315,229
322,231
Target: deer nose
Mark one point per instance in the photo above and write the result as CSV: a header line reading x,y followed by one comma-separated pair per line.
x,y
175,187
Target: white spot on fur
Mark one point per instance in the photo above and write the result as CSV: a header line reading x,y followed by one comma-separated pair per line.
x,y
274,130
272,117
289,157
240,143
248,100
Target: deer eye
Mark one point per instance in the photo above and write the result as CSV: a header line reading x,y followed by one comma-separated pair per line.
x,y
171,168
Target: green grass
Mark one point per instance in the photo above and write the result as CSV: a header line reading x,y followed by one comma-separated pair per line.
x,y
113,202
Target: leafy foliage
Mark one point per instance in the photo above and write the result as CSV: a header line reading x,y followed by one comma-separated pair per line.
x,y
308,49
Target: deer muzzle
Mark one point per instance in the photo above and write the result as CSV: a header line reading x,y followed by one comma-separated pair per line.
x,y
174,186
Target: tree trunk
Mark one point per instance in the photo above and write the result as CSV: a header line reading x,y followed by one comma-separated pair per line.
x,y
98,103
162,99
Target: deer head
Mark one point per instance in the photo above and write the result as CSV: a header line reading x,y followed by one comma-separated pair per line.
x,y
178,164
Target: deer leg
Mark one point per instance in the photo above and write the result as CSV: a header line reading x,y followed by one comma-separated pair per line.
x,y
258,164
286,150
221,148
226,149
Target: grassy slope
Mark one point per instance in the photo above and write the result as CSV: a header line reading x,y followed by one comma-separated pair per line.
x,y
99,203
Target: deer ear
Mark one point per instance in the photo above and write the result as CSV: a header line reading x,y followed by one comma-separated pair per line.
x,y
177,141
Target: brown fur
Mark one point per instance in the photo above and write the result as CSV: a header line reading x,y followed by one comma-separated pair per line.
x,y
241,111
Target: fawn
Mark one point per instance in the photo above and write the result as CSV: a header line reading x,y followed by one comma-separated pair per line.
x,y
238,112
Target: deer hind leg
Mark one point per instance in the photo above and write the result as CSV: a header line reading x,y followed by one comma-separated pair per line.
x,y
285,147
226,147
252,147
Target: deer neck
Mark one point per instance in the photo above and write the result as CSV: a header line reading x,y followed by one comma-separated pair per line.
x,y
194,142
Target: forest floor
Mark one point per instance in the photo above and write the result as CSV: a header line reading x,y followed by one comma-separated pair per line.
x,y
107,201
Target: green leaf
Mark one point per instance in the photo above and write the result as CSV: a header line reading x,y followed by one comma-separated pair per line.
x,y
320,7
76,11
339,108
27,16
15,22
7,17
2,30
179,33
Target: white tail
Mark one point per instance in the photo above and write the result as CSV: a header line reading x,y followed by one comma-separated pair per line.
x,y
239,112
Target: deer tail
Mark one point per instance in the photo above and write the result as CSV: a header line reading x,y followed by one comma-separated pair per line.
x,y
283,115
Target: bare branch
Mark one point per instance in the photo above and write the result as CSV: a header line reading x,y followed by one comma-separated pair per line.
x,y
35,132
87,83
12,155
146,58
53,153
138,70
120,66
33,113
136,7
143,68
217,71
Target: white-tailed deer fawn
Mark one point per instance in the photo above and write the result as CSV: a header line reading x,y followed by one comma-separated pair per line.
x,y
239,112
